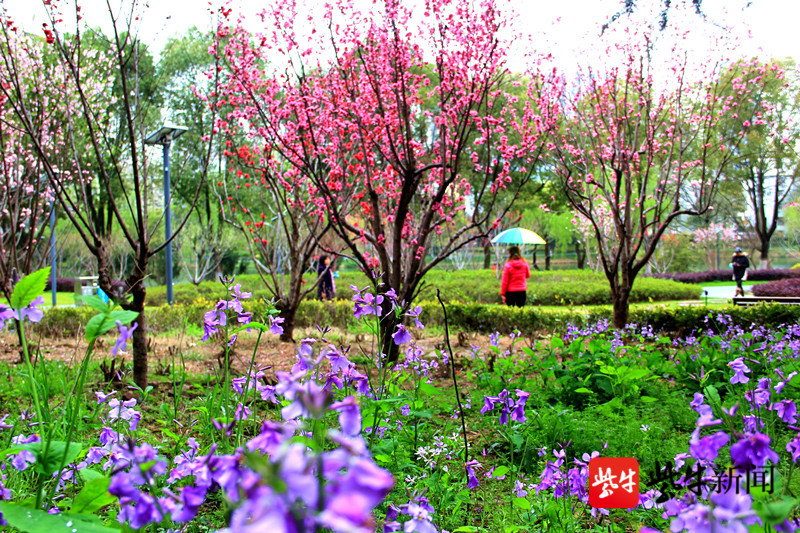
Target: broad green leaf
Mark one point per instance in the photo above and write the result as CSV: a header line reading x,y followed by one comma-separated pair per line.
x,y
48,460
427,388
556,342
31,520
29,288
648,399
522,503
98,325
777,511
584,390
93,497
500,471
466,529
713,393
94,301
125,317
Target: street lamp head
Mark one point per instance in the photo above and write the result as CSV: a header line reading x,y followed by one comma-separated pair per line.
x,y
166,134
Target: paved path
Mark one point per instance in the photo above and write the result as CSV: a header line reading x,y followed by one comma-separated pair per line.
x,y
723,292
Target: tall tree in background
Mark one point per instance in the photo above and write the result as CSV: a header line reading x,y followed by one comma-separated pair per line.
x,y
392,141
88,76
766,157
642,146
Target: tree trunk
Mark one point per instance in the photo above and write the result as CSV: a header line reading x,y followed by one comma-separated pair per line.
x,y
763,255
487,256
621,308
580,255
139,292
547,256
289,314
388,327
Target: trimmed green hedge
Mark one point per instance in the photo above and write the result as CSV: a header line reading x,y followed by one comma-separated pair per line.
x,y
554,287
470,317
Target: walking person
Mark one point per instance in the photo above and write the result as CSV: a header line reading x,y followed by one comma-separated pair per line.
x,y
326,288
515,274
740,263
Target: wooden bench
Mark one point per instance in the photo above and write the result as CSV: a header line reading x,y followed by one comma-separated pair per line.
x,y
748,301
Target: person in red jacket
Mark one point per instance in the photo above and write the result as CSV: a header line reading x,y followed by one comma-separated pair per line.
x,y
515,273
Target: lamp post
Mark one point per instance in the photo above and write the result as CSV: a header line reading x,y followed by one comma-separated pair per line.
x,y
164,137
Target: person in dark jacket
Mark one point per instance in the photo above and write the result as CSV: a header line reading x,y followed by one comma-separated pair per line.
x,y
515,274
740,263
325,288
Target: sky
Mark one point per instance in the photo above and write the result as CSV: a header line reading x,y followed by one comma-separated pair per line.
x,y
768,26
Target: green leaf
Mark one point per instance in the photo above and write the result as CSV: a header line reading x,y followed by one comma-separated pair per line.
x,y
94,301
522,503
29,288
125,317
584,390
712,392
556,342
93,497
427,388
777,511
98,325
500,471
31,520
648,399
48,460
466,529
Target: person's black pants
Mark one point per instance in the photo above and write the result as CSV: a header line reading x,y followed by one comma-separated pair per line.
x,y
516,298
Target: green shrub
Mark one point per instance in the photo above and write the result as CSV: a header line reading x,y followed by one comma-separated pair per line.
x,y
555,287
485,318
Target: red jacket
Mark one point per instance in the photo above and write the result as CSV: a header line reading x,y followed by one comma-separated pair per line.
x,y
515,273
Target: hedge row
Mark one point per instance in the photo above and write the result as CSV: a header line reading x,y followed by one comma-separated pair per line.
x,y
68,284
563,287
767,274
782,287
470,317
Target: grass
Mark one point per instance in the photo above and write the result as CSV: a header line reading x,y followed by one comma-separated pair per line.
x,y
62,299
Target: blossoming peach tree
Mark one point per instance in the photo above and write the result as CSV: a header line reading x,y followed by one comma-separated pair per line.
x,y
375,112
643,142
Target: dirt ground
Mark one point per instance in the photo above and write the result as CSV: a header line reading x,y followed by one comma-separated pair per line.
x,y
206,357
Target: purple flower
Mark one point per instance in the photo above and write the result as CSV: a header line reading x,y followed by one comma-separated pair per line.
x,y
793,447
275,325
32,311
23,459
349,415
739,369
420,520
402,335
6,313
707,447
787,410
125,334
212,320
472,480
415,314
507,405
102,397
752,450
123,411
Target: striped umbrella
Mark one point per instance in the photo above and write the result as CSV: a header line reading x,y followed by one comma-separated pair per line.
x,y
517,236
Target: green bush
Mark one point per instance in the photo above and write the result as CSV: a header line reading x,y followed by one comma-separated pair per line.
x,y
481,318
555,287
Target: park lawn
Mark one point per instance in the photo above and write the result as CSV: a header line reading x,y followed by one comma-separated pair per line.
x,y
66,299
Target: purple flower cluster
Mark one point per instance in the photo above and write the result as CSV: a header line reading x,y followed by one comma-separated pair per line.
x,y
417,512
30,311
218,317
507,405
